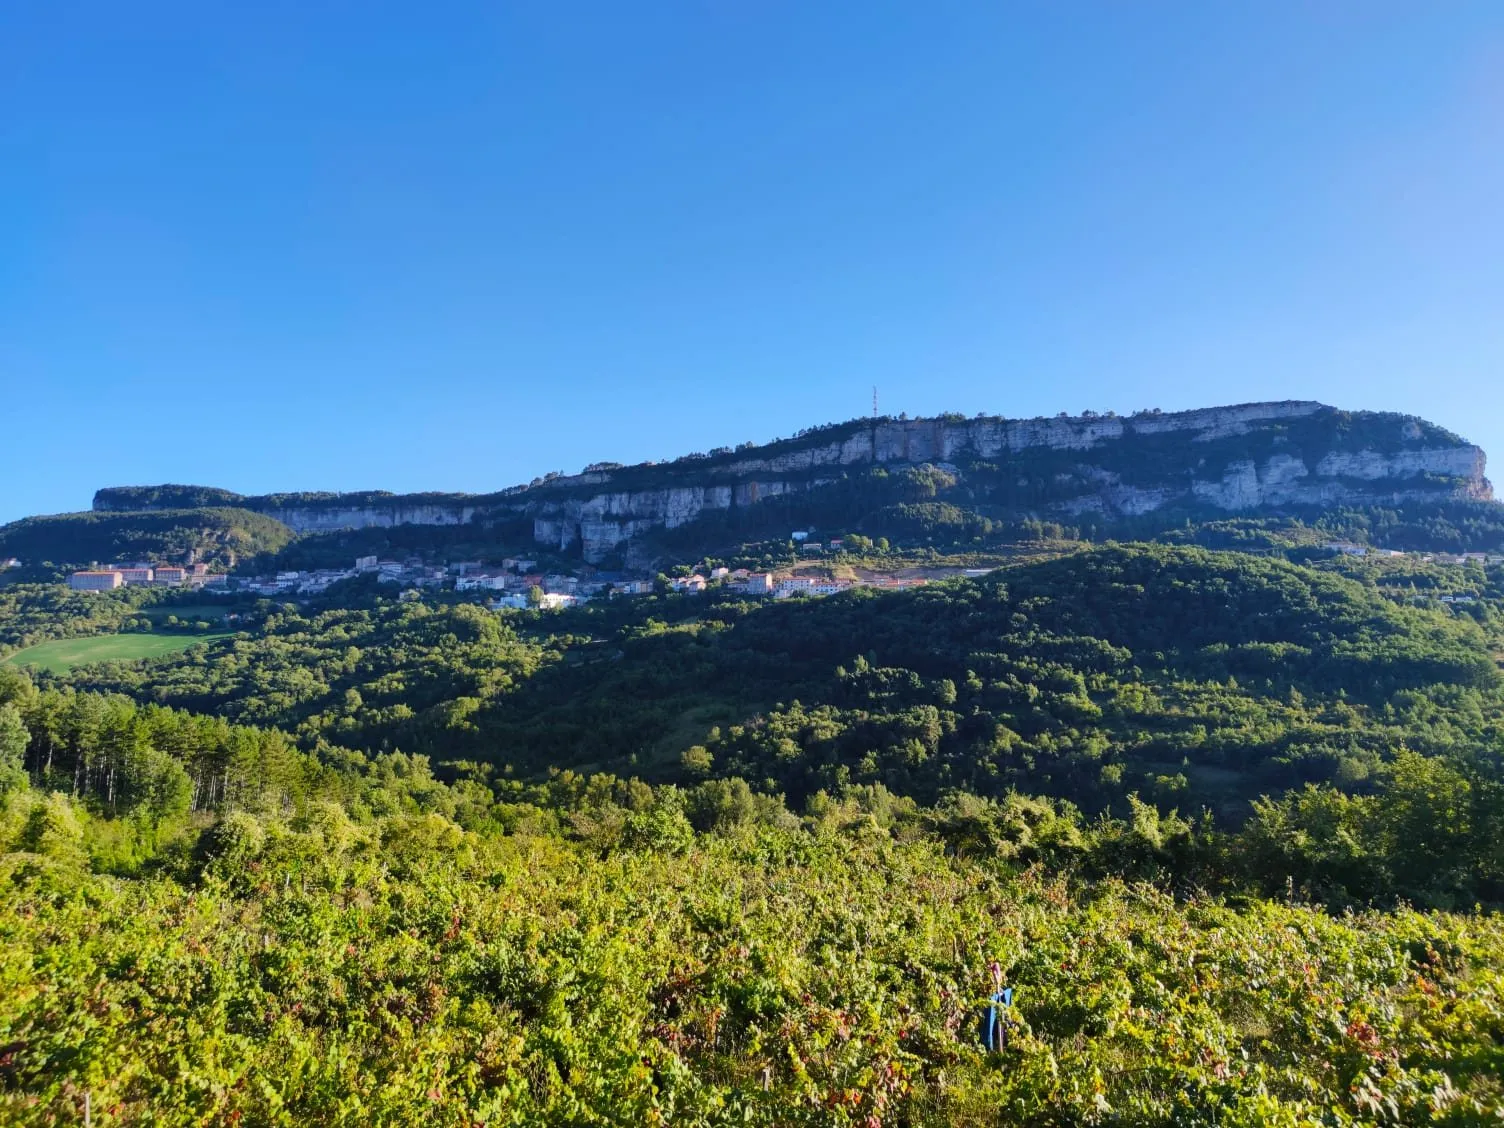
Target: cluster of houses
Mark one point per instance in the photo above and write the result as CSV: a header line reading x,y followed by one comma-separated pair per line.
x,y
516,582
520,588
146,575
404,573
1347,548
513,578
519,584
786,586
815,548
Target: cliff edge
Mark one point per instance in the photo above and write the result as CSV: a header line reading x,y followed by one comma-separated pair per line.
x,y
1236,459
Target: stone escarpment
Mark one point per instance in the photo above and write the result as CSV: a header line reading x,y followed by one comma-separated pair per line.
x,y
1097,473
330,519
1226,459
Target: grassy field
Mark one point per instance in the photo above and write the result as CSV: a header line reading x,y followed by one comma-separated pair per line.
x,y
63,654
214,613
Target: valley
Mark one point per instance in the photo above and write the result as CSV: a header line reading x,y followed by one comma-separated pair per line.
x,y
731,818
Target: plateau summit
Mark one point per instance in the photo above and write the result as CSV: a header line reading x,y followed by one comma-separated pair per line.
x,y
1286,456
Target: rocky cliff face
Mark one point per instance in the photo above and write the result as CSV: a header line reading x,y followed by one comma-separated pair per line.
x,y
1233,459
1415,462
321,519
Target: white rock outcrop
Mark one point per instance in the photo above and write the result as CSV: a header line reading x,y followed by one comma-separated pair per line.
x,y
602,509
322,519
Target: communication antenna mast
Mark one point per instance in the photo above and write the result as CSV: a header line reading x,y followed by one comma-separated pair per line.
x,y
874,401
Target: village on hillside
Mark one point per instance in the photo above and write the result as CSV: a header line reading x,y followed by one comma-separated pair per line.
x,y
516,583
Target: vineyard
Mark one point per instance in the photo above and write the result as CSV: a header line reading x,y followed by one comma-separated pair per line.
x,y
412,972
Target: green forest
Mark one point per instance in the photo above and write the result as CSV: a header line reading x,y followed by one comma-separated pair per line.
x,y
217,536
1207,678
1229,827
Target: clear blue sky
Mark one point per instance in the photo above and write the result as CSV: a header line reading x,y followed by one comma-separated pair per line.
x,y
435,246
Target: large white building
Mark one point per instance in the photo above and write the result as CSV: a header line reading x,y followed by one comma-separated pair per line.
x,y
95,580
480,581
518,601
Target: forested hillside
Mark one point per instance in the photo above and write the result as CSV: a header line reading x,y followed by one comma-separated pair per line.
x,y
217,536
1230,828
201,922
1198,678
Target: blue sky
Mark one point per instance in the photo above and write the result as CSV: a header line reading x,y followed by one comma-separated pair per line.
x,y
440,246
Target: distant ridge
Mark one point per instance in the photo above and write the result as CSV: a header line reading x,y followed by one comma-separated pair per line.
x,y
1242,458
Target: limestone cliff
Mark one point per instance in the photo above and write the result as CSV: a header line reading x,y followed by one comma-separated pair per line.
x,y
318,519
1226,459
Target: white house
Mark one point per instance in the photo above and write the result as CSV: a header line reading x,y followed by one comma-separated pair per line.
x,y
828,587
786,586
480,581
518,601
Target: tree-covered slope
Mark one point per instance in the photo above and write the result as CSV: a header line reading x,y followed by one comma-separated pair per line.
x,y
376,678
1189,675
167,496
1205,676
218,536
207,922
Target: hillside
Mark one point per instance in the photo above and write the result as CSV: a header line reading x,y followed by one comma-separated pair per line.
x,y
217,536
700,860
1196,677
953,476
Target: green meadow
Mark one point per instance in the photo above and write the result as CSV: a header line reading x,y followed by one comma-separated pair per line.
x,y
64,654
